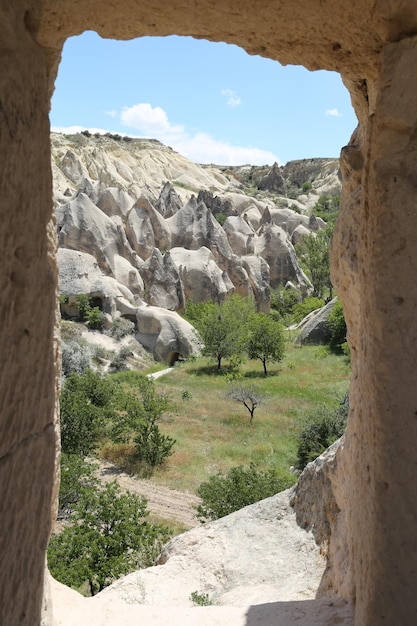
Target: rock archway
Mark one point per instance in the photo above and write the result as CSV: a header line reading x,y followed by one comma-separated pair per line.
x,y
373,44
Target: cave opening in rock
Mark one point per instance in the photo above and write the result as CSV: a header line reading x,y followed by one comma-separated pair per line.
x,y
153,121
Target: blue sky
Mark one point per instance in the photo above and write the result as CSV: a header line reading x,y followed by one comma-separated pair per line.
x,y
212,102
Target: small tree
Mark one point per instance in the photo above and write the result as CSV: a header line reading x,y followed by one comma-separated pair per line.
x,y
77,476
85,404
223,328
110,536
314,255
137,420
248,396
83,302
265,340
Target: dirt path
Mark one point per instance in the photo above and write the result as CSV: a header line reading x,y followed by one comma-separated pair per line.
x,y
162,501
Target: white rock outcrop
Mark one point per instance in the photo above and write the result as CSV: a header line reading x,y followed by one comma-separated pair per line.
x,y
166,334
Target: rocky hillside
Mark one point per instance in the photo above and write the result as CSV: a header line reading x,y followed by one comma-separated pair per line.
x,y
141,230
262,565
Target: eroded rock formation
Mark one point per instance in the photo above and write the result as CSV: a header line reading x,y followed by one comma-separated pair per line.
x,y
128,233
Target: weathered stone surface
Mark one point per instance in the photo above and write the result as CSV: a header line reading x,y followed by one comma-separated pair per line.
x,y
115,201
240,235
201,277
169,201
75,609
80,274
317,500
273,245
166,334
314,329
146,229
289,220
273,181
280,561
137,167
194,226
162,282
82,226
258,273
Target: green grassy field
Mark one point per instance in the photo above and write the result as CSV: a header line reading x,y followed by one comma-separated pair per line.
x,y
213,433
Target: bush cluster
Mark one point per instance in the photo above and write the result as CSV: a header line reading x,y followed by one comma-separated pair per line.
x,y
324,426
93,317
224,493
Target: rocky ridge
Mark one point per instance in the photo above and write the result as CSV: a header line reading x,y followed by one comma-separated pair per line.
x,y
141,230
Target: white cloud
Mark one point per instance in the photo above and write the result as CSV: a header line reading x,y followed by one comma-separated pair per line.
x,y
333,112
149,120
199,147
112,113
202,148
233,100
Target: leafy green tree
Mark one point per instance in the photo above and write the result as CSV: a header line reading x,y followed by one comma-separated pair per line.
x,y
85,404
137,418
223,328
327,208
83,302
109,537
77,476
195,311
223,494
283,300
265,340
314,255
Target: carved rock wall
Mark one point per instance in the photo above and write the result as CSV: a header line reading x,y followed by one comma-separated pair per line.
x,y
28,350
372,44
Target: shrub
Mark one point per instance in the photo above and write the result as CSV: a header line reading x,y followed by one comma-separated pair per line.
x,y
118,362
283,301
221,218
95,318
223,494
324,427
152,447
201,599
301,309
337,327
85,404
76,358
83,305
327,208
121,327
